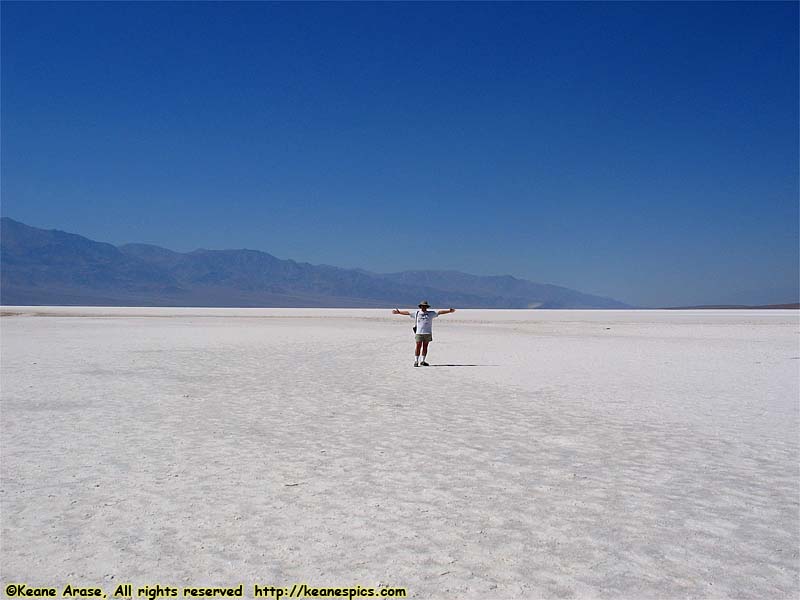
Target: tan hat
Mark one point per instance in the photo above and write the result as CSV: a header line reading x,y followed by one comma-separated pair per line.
x,y
424,303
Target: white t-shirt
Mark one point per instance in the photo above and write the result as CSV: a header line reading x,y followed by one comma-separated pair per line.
x,y
424,320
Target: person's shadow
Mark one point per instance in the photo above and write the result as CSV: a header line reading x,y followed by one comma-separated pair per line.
x,y
450,365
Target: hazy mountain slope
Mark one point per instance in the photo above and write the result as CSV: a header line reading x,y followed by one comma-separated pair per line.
x,y
506,289
55,267
256,273
37,258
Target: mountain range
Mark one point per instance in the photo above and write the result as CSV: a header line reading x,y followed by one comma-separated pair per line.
x,y
52,267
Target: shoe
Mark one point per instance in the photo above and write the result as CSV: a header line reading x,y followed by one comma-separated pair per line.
x,y
424,364
416,364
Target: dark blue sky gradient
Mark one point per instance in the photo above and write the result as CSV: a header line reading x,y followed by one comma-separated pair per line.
x,y
647,152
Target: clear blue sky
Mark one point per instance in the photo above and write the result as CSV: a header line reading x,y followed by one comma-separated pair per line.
x,y
647,152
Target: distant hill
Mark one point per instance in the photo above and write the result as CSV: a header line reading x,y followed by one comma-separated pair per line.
x,y
51,267
795,305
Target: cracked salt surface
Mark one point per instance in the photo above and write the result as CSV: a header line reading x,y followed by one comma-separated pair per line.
x,y
584,454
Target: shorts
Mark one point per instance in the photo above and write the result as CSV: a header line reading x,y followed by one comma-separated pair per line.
x,y
423,337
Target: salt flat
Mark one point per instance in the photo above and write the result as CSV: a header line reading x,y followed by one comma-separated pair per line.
x,y
546,454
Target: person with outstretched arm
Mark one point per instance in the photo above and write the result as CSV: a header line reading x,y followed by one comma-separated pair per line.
x,y
423,329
